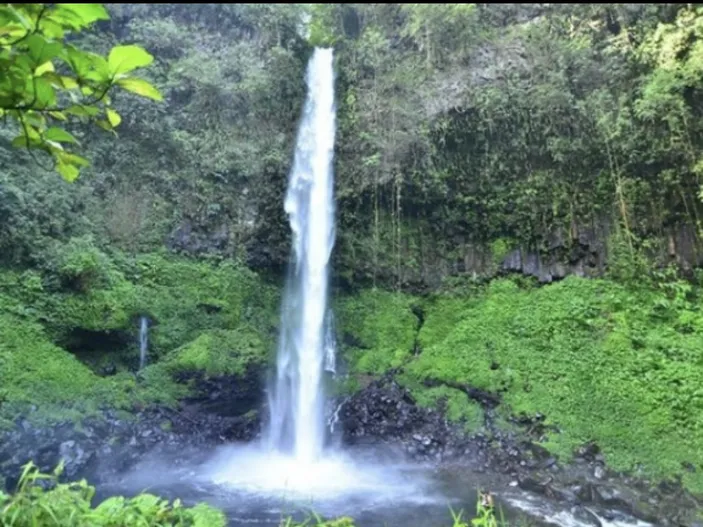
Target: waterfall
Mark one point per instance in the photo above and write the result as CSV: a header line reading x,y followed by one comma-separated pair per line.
x,y
296,393
143,340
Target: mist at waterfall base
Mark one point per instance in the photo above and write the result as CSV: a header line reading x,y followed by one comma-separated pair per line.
x,y
295,468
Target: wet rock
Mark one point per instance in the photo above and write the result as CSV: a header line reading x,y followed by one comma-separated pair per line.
x,y
531,484
385,412
586,516
588,451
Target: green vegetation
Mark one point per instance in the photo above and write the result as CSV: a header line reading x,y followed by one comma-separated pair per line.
x,y
64,326
464,132
70,505
603,361
47,80
220,352
383,328
539,126
486,516
456,405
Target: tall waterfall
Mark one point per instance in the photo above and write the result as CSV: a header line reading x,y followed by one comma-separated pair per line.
x,y
296,396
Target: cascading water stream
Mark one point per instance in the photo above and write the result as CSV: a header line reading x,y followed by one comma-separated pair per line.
x,y
143,340
296,395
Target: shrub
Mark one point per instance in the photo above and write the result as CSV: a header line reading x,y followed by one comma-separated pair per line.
x,y
41,500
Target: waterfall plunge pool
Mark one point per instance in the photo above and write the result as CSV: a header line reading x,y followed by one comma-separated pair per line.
x,y
376,487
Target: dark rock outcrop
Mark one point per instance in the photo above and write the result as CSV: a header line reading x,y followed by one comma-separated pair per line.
x,y
218,410
194,237
385,412
111,444
224,396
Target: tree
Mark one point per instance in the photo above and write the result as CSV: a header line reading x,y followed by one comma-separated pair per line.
x,y
48,82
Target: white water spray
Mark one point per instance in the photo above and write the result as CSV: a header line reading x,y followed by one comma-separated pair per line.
x,y
296,397
143,340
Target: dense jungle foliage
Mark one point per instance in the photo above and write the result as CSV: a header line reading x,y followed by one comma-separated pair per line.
x,y
570,133
465,131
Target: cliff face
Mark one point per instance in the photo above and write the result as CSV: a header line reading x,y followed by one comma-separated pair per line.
x,y
473,139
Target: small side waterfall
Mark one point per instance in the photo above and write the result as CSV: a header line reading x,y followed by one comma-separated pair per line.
x,y
143,340
297,421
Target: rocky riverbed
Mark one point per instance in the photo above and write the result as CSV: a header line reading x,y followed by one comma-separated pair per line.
x,y
381,413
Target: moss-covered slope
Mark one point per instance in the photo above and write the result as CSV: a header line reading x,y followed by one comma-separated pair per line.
x,y
603,362
69,331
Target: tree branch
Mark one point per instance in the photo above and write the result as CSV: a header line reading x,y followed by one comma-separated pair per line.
x,y
27,145
28,107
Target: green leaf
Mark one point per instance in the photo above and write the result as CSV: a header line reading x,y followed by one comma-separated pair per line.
x,y
52,147
123,59
68,172
87,13
105,125
48,66
52,28
78,60
113,117
21,142
140,87
59,135
9,16
69,82
60,81
42,50
82,110
102,69
75,159
43,91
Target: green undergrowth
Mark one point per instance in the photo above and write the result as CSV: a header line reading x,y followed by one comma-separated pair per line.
x,y
486,516
457,406
618,365
378,329
45,384
219,352
70,505
65,323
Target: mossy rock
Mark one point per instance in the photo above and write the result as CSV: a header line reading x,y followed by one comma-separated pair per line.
x,y
378,329
220,352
